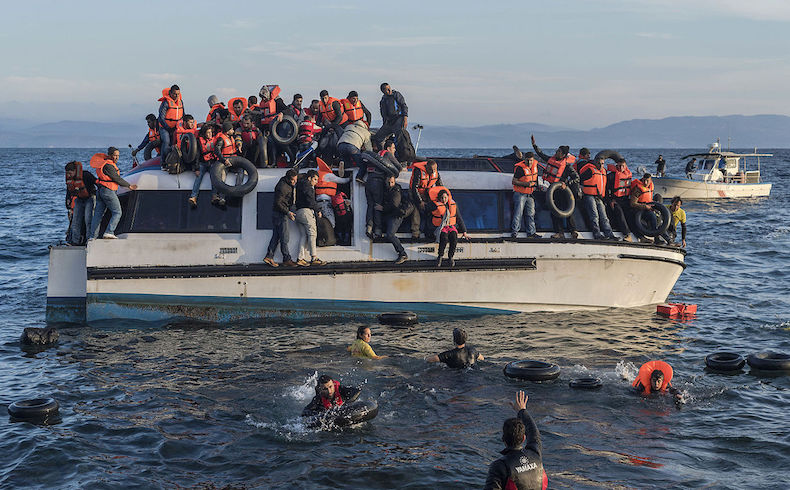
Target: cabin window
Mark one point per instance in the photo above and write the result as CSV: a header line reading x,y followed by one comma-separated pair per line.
x,y
265,202
480,209
169,212
707,164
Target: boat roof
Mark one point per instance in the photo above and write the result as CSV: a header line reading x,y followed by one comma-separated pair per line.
x,y
726,154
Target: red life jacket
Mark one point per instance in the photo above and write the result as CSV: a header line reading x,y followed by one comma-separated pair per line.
x,y
622,181
297,111
337,399
212,112
646,371
324,186
427,180
76,186
328,112
646,197
175,108
353,112
596,184
228,146
249,136
555,167
339,203
207,148
530,175
307,129
233,116
441,208
268,111
98,161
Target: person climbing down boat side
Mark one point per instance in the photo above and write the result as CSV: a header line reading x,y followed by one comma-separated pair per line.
x,y
328,394
151,135
462,356
108,179
445,215
424,176
395,208
80,200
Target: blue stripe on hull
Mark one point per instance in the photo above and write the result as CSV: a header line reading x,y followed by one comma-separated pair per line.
x,y
148,307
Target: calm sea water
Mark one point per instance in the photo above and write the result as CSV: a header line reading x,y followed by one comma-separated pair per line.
x,y
213,406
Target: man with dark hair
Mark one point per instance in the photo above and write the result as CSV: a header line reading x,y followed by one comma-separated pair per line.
x,y
80,199
151,135
171,110
661,165
284,199
382,165
691,166
521,464
641,197
395,207
593,178
252,102
394,114
525,181
329,394
462,356
108,179
618,190
354,109
559,168
295,107
307,211
678,216
331,111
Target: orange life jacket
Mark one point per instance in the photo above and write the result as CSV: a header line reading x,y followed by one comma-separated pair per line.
x,y
530,175
555,167
353,112
441,208
427,180
249,136
233,116
646,371
329,113
76,186
211,112
646,196
175,108
228,146
98,161
207,148
324,186
622,181
596,184
153,134
268,110
181,131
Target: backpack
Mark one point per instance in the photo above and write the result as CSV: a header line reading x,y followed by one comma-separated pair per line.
x,y
173,161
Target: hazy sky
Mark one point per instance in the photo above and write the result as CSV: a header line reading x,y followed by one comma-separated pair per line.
x,y
571,63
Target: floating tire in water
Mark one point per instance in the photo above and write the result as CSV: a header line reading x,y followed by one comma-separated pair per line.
x,y
235,190
356,412
532,370
769,361
398,318
285,132
586,383
149,149
662,225
552,198
189,149
37,408
725,361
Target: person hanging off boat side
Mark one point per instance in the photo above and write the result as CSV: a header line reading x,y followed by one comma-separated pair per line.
x,y
80,201
151,137
108,179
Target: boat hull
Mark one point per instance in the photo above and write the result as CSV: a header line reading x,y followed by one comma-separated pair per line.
x,y
698,190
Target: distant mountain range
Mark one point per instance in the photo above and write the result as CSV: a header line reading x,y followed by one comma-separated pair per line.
x,y
762,131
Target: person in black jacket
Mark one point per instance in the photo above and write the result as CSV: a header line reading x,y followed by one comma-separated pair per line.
x,y
395,121
462,356
329,394
307,210
394,208
284,198
81,198
521,464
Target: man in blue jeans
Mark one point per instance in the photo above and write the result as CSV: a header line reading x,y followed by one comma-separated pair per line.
x,y
284,199
108,178
525,180
593,178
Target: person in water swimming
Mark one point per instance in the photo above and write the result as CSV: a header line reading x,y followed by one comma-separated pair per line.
x,y
462,356
521,464
655,376
329,394
361,346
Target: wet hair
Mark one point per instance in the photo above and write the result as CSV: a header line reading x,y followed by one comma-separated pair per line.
x,y
71,166
291,173
584,152
361,330
381,87
677,199
459,336
174,87
647,176
323,93
353,93
298,96
443,192
112,150
513,432
252,100
150,117
656,374
323,379
187,117
311,173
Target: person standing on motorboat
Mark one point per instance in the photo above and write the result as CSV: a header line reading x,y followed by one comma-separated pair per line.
x,y
641,197
618,191
661,166
525,181
108,179
559,168
171,110
447,221
394,208
424,176
593,177
284,199
80,200
691,166
462,356
307,211
151,136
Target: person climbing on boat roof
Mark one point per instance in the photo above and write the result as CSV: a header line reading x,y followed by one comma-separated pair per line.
x,y
394,114
525,181
171,110
151,135
361,345
618,190
108,179
424,176
328,394
559,168
462,356
593,177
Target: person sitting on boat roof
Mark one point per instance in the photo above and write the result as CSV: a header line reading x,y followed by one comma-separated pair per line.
x,y
661,165
307,210
691,166
80,200
424,176
151,137
252,141
307,131
217,112
108,179
224,148
395,207
641,197
271,108
361,346
171,110
314,109
207,157
379,165
462,356
678,216
618,190
525,181
329,394
593,177
237,106
559,168
655,377
521,464
446,218
354,109
332,114
284,199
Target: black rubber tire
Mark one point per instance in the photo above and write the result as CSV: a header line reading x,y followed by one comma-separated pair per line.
x,y
532,370
37,408
189,148
586,383
149,149
725,361
551,204
235,190
663,225
398,318
356,412
285,132
608,154
769,361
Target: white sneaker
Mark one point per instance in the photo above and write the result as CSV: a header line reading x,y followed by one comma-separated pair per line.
x,y
109,235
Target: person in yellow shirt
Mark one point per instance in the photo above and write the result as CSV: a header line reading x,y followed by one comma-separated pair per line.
x,y
678,216
361,346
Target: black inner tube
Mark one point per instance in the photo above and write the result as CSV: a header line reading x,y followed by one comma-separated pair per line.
x,y
189,150
552,200
725,361
35,408
235,190
662,221
586,383
284,132
398,318
608,154
769,361
532,370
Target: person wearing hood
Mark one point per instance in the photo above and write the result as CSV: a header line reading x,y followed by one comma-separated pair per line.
x,y
171,110
217,112
559,168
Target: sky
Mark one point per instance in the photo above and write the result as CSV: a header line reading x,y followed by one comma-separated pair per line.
x,y
576,64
